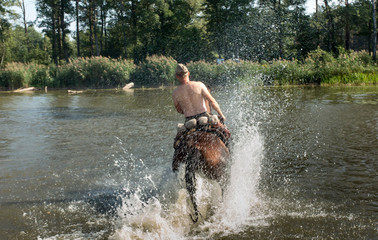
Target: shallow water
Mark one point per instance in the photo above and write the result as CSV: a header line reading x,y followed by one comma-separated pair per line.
x,y
98,165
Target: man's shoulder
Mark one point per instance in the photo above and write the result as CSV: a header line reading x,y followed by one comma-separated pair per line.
x,y
198,83
176,91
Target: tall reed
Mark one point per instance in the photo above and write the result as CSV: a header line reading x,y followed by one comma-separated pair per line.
x,y
320,67
155,71
96,72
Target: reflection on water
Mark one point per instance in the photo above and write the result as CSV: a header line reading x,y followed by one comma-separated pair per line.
x,y
97,166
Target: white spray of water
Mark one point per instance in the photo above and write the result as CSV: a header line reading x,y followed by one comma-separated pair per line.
x,y
241,204
239,207
151,221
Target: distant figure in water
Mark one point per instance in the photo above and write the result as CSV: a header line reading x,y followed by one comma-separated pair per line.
x,y
202,141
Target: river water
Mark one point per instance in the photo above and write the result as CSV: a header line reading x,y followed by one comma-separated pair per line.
x,y
97,165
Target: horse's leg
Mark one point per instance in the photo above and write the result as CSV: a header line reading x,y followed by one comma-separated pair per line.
x,y
225,177
190,180
224,181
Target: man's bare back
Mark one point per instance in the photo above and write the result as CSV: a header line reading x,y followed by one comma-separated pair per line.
x,y
190,97
193,99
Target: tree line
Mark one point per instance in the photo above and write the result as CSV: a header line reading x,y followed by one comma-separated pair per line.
x,y
187,30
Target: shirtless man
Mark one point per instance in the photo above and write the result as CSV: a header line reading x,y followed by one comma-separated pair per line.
x,y
193,99
190,97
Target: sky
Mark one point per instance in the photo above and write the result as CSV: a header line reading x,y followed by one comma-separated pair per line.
x,y
31,13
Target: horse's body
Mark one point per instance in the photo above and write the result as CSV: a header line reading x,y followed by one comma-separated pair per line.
x,y
204,152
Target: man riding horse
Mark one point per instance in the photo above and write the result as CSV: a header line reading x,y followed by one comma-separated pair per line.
x,y
201,143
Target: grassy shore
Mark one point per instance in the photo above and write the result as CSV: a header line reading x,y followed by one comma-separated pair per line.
x,y
356,68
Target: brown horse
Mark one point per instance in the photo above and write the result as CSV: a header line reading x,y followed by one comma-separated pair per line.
x,y
201,151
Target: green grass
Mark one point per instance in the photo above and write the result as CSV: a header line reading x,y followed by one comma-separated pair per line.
x,y
100,72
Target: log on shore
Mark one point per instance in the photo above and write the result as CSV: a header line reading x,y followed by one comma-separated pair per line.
x,y
128,86
29,89
74,92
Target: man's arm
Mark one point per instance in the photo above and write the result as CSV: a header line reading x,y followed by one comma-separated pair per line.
x,y
178,108
176,103
212,102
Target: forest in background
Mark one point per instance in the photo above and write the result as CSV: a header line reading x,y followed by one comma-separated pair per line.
x,y
187,30
266,32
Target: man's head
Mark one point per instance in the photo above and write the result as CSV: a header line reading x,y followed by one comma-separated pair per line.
x,y
181,71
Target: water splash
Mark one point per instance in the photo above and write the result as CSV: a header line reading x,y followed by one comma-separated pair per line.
x,y
240,205
152,220
242,193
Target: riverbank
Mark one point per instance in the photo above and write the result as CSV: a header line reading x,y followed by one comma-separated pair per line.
x,y
320,68
89,91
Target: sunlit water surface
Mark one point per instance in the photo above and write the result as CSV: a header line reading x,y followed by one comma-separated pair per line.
x,y
98,166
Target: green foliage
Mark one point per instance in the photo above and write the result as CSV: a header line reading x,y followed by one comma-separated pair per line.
x,y
19,47
320,57
283,72
40,76
13,76
96,72
69,75
188,31
17,75
226,73
100,72
203,71
155,71
105,72
354,78
190,46
322,68
319,68
54,18
226,23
